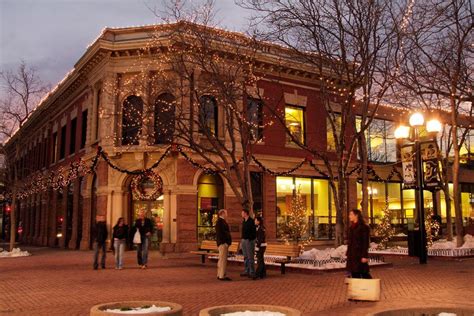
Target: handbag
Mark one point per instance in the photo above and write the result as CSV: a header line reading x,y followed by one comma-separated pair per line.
x,y
137,239
363,289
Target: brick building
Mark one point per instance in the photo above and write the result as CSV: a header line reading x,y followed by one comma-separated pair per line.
x,y
78,116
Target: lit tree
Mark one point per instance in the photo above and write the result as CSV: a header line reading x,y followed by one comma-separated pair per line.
x,y
385,230
296,224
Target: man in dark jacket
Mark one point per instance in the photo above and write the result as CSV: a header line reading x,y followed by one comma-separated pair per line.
x,y
100,238
224,240
145,227
249,233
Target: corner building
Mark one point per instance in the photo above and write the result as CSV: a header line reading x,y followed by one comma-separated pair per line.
x,y
78,116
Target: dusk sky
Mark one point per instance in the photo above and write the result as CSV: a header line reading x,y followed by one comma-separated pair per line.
x,y
52,35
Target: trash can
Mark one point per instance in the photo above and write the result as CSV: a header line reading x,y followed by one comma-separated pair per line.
x,y
414,243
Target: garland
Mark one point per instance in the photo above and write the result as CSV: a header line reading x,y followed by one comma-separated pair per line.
x,y
275,173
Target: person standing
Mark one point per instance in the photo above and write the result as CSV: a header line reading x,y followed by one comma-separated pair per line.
x,y
120,234
224,240
358,246
144,226
249,233
260,247
100,238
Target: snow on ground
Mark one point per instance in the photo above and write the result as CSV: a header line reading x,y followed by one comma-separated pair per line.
x,y
140,310
252,313
16,252
328,253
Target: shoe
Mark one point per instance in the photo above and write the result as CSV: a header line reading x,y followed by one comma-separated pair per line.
x,y
224,279
244,274
95,268
103,267
144,266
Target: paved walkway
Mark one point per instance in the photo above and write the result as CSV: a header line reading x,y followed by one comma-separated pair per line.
x,y
61,282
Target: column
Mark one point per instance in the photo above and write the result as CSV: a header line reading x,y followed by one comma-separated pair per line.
x,y
62,240
75,214
52,218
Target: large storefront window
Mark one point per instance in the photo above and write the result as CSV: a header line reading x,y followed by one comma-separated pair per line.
x,y
381,142
320,211
210,200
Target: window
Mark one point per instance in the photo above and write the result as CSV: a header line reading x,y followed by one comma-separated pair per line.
x,y
208,115
83,129
381,142
164,118
330,137
97,116
255,118
55,147
62,143
132,115
72,141
294,119
256,180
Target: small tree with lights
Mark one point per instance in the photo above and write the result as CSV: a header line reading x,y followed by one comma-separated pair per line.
x,y
296,224
385,230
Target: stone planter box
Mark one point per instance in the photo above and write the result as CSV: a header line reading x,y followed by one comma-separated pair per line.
x,y
100,310
224,309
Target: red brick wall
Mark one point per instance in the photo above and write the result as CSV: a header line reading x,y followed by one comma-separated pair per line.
x,y
186,222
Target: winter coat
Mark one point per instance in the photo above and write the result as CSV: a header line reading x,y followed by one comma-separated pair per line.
x,y
144,226
223,232
358,248
260,241
120,232
100,232
249,231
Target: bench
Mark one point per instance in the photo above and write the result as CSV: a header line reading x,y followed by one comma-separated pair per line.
x,y
210,247
288,251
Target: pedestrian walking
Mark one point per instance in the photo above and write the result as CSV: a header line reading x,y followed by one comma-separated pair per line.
x,y
120,235
249,233
260,247
99,233
358,246
142,233
224,240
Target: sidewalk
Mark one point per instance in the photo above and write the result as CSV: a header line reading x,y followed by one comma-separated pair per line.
x,y
61,282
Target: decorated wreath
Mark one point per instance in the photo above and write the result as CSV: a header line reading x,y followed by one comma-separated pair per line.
x,y
139,192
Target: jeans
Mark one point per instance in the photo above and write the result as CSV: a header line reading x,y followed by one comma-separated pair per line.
x,y
261,270
142,251
119,246
98,247
248,250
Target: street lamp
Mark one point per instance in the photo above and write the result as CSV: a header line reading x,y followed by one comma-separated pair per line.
x,y
433,126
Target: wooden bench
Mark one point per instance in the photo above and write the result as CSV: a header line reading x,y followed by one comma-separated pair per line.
x,y
210,247
289,251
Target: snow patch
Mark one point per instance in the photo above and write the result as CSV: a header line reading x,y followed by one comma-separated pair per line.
x,y
16,252
328,253
140,310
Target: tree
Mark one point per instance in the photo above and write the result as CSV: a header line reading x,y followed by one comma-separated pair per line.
x,y
384,230
354,45
22,90
296,226
437,72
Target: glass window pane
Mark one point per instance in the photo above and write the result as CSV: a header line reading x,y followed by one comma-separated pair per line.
x,y
376,141
390,142
330,139
324,209
294,119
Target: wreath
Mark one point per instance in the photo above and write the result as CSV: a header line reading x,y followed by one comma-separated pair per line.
x,y
138,191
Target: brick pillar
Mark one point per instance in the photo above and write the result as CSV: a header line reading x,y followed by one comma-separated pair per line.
x,y
62,240
52,218
75,214
86,222
44,218
269,206
186,222
39,209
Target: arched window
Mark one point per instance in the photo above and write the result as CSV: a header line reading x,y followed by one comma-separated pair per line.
x,y
164,118
132,114
208,114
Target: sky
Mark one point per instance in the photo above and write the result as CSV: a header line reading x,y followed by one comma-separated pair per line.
x,y
51,35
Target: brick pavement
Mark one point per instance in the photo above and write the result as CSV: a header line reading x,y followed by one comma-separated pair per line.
x,y
61,282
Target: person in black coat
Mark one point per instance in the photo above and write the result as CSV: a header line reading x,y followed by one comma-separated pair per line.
x,y
119,236
224,240
358,246
260,247
99,233
144,226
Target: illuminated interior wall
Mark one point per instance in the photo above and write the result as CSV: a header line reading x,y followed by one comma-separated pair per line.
x,y
294,119
210,200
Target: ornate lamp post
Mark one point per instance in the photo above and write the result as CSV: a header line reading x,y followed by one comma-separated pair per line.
x,y
433,126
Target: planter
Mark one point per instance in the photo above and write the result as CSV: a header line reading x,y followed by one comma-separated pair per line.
x,y
225,309
427,311
100,310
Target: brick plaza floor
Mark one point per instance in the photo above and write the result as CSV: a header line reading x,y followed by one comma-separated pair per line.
x,y
61,282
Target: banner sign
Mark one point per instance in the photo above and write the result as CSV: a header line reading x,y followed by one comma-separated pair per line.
x,y
408,166
429,157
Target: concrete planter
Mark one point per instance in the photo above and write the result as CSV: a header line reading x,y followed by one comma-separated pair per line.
x,y
224,309
100,310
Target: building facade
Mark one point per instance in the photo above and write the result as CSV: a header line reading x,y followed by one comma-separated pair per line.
x,y
91,108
